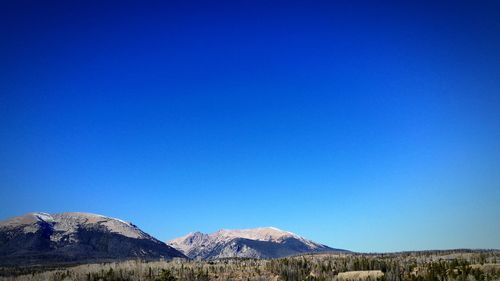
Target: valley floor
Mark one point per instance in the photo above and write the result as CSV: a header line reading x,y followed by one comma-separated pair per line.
x,y
422,266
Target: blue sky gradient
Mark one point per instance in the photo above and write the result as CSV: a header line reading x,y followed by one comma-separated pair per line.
x,y
370,127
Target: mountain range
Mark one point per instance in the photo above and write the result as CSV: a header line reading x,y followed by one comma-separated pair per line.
x,y
262,242
41,238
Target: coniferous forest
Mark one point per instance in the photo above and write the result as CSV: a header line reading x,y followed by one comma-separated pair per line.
x,y
459,265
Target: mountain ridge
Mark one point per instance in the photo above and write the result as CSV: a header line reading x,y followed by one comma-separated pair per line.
x,y
260,242
40,237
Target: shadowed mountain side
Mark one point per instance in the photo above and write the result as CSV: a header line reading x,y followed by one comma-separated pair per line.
x,y
267,249
67,238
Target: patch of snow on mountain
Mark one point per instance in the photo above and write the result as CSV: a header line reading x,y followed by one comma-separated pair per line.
x,y
69,222
224,243
272,234
66,225
44,217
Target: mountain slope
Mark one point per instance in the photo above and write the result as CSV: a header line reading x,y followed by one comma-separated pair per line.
x,y
68,237
263,242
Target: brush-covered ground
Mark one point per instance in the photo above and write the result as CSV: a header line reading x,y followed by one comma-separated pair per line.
x,y
460,265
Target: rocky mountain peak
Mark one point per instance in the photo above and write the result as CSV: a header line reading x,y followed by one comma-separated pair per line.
x,y
260,242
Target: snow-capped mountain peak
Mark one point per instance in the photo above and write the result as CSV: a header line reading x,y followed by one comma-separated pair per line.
x,y
66,224
260,242
260,234
67,236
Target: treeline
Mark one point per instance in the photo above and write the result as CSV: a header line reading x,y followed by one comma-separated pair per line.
x,y
393,268
354,267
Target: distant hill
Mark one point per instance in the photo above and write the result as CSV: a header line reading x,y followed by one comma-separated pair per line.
x,y
264,242
40,238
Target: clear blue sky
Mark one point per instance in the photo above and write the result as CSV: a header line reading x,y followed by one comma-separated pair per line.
x,y
370,127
